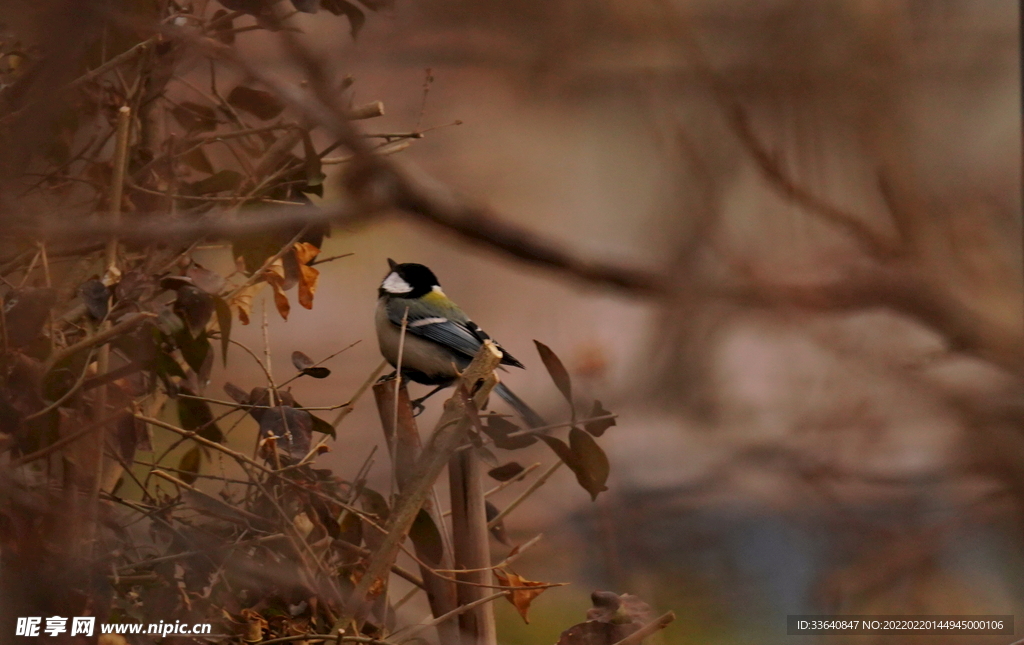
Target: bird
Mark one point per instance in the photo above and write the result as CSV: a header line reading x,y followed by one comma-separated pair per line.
x,y
440,340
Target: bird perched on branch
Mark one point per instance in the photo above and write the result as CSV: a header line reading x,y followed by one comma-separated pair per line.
x,y
440,340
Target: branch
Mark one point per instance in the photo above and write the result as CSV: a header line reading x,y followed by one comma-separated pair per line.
x,y
98,339
770,165
451,430
416,194
650,628
899,288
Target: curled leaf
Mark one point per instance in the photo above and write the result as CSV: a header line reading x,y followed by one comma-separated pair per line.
x,y
520,598
274,276
242,302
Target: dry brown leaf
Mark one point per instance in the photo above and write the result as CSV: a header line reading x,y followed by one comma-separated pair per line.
x,y
111,639
308,277
241,303
520,598
305,252
274,275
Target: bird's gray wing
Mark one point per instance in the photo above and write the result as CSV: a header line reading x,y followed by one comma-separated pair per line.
x,y
453,334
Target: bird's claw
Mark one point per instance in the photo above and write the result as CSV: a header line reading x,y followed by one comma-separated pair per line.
x,y
417,407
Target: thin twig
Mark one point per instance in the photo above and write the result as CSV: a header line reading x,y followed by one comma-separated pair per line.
x,y
451,614
526,493
650,628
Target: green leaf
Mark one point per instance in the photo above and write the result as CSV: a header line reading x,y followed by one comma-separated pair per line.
x,y
597,428
557,371
190,463
224,323
262,105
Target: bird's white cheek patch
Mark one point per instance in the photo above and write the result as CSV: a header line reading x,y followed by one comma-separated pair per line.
x,y
395,284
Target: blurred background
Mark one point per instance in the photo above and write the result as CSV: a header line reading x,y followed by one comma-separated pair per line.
x,y
808,424
825,412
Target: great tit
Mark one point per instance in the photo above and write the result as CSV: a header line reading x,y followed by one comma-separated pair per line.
x,y
440,340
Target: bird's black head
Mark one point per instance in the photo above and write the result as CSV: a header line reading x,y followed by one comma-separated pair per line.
x,y
407,280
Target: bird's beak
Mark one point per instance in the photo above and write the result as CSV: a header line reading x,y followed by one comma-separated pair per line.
x,y
392,264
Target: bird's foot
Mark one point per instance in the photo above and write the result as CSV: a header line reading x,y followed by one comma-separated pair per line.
x,y
417,407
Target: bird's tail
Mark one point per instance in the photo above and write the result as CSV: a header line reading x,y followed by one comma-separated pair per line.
x,y
531,418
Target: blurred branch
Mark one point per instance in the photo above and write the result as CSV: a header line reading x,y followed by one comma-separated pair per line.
x,y
900,288
769,162
384,184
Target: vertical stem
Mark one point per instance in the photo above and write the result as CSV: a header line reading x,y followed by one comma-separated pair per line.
x,y
403,440
124,120
110,276
472,546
